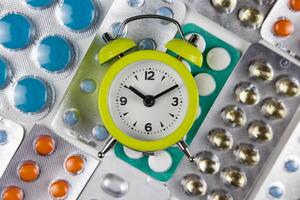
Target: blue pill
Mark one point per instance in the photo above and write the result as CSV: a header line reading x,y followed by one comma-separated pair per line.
x,y
99,133
54,54
39,3
147,44
4,73
276,192
136,3
115,27
166,12
31,95
71,117
78,15
15,31
3,137
88,86
291,166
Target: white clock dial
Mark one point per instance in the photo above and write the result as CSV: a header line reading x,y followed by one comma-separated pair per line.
x,y
148,100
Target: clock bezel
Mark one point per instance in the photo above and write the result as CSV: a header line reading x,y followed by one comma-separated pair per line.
x,y
172,138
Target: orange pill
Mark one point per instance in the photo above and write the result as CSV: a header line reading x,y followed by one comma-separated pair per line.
x,y
44,145
74,164
295,5
28,171
59,189
283,27
12,193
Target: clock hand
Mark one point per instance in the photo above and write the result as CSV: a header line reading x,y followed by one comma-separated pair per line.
x,y
166,91
135,91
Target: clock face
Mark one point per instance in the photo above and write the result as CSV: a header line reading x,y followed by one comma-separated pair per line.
x,y
148,100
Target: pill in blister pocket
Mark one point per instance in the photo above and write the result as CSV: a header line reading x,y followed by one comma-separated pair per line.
x,y
54,54
77,15
273,108
3,137
261,70
291,165
114,185
260,131
220,139
115,27
136,3
71,117
276,191
31,95
28,171
12,193
4,73
100,133
234,177
206,84
219,195
233,116
247,154
16,31
251,17
246,93
147,43
74,164
283,27
44,145
207,162
88,86
59,189
226,6
193,185
165,11
295,5
287,86
218,59
39,3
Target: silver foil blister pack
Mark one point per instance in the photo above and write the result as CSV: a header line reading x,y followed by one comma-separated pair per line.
x,y
40,47
281,27
242,129
243,18
78,114
46,167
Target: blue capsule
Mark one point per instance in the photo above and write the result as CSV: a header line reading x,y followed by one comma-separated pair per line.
x,y
88,86
31,95
166,12
54,54
15,31
39,3
71,117
136,3
291,166
77,15
276,192
99,133
146,44
3,137
4,73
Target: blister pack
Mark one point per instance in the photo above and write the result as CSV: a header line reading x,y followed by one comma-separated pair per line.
x,y
78,114
281,27
41,43
114,179
242,129
46,167
243,18
11,135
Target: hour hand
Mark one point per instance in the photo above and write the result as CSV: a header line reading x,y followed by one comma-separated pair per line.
x,y
135,91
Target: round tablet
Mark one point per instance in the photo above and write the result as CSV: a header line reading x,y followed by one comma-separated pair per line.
x,y
292,165
100,133
15,31
28,171
88,86
4,73
136,3
12,193
3,137
74,164
44,145
132,153
218,59
77,15
115,27
295,5
166,12
54,54
31,95
276,191
147,43
160,162
201,43
283,27
39,3
71,117
206,84
59,189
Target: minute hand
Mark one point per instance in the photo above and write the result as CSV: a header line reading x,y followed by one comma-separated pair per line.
x,y
166,91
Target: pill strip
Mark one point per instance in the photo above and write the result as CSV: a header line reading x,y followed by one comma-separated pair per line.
x,y
36,178
235,168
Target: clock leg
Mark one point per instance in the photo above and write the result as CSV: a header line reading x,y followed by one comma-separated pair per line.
x,y
110,144
184,148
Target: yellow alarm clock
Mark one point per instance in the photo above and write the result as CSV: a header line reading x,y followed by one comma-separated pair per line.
x,y
148,100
